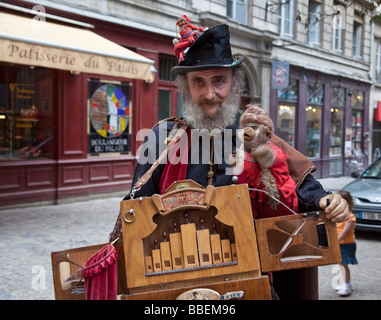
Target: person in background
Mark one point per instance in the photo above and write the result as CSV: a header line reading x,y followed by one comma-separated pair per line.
x,y
346,234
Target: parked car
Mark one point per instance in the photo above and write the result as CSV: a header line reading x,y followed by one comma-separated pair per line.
x,y
366,191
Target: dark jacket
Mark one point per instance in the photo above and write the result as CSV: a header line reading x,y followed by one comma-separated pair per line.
x,y
309,190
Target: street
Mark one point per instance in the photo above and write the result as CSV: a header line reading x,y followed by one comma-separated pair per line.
x,y
29,235
366,276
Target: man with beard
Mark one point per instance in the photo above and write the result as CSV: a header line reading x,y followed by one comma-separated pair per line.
x,y
213,119
210,81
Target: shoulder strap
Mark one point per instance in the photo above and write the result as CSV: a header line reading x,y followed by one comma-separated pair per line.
x,y
170,119
174,136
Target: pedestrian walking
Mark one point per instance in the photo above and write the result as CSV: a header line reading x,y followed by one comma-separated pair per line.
x,y
346,234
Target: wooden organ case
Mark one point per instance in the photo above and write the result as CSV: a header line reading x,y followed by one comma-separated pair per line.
x,y
194,239
297,241
191,237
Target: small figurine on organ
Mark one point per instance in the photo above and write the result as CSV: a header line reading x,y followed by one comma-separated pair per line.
x,y
188,35
264,166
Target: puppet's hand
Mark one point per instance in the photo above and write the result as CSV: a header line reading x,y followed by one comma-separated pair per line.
x,y
264,155
338,210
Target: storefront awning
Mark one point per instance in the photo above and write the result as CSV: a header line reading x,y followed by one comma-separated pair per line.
x,y
32,41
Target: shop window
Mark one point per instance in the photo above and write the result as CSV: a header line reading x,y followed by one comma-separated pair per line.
x,y
109,117
236,10
286,17
287,98
286,123
336,133
26,113
289,94
313,115
338,97
357,122
358,100
315,93
315,99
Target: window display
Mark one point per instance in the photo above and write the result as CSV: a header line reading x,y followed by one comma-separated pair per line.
x,y
290,93
287,98
315,100
26,113
286,123
315,93
336,132
313,131
357,122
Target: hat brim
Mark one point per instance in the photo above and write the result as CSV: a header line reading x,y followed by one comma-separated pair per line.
x,y
184,69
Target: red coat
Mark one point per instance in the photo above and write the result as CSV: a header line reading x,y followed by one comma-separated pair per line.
x,y
286,185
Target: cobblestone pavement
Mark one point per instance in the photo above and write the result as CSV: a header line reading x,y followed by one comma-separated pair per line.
x,y
365,277
29,235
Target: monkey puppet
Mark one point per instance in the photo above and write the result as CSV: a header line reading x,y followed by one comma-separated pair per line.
x,y
265,167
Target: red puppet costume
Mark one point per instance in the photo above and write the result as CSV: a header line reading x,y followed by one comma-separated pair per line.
x,y
188,35
265,167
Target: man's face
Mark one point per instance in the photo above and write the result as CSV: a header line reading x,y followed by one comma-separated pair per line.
x,y
210,89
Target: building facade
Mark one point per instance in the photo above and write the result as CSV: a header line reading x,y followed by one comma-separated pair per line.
x,y
81,149
67,133
326,116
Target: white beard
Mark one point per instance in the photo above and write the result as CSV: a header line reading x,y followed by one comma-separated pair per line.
x,y
226,116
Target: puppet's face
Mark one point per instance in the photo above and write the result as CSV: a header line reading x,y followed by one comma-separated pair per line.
x,y
181,23
253,135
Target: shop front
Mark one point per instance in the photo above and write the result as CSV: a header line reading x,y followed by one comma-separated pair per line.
x,y
325,117
69,107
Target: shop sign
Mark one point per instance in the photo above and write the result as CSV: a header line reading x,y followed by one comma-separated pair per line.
x,y
49,57
98,144
23,96
280,74
109,120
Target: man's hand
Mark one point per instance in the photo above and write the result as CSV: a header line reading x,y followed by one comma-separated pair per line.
x,y
338,210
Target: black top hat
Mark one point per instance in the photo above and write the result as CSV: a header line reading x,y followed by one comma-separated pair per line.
x,y
210,51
